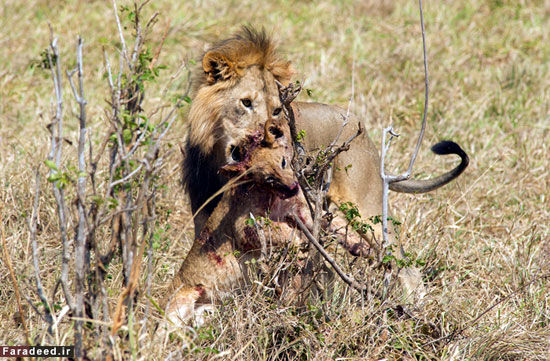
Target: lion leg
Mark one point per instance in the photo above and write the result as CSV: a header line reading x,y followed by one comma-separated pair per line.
x,y
209,270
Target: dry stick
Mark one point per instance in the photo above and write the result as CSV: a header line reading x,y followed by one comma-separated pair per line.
x,y
324,178
157,53
120,150
128,291
152,20
167,122
326,169
124,51
138,40
148,280
386,178
55,153
109,71
287,95
126,178
14,281
36,266
128,236
117,92
334,153
350,281
82,256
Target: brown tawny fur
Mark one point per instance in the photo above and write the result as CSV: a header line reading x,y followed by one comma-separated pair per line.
x,y
215,264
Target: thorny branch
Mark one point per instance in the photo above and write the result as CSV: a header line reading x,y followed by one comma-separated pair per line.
x,y
315,173
287,95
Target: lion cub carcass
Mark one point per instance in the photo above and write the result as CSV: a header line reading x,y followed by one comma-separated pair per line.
x,y
216,262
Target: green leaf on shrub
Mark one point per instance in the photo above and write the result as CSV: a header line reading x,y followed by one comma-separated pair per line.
x,y
50,164
54,177
127,135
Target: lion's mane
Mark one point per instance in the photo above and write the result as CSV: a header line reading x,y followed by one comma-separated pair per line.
x,y
221,67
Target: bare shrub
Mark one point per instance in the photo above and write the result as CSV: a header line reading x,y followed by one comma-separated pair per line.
x,y
106,204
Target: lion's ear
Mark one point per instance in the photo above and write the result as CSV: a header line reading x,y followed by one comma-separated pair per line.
x,y
217,67
283,72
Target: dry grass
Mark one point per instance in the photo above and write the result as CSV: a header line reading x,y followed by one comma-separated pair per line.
x,y
483,237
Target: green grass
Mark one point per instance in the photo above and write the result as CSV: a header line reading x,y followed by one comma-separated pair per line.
x,y
484,236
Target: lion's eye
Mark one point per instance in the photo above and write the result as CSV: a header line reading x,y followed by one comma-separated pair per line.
x,y
246,102
277,111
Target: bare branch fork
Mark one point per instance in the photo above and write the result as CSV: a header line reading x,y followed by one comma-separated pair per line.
x,y
55,154
387,178
322,173
76,300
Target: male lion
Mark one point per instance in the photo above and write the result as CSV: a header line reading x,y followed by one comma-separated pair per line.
x,y
236,93
213,266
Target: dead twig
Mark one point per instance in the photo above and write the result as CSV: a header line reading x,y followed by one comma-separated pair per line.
x,y
350,281
55,153
315,176
82,250
32,226
287,95
124,52
387,178
159,49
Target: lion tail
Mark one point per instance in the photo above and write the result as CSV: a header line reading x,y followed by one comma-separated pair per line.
x,y
422,186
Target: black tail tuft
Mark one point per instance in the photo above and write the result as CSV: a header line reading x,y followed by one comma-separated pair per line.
x,y
421,186
448,147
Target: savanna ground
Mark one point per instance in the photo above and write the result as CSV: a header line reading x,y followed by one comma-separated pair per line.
x,y
483,239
